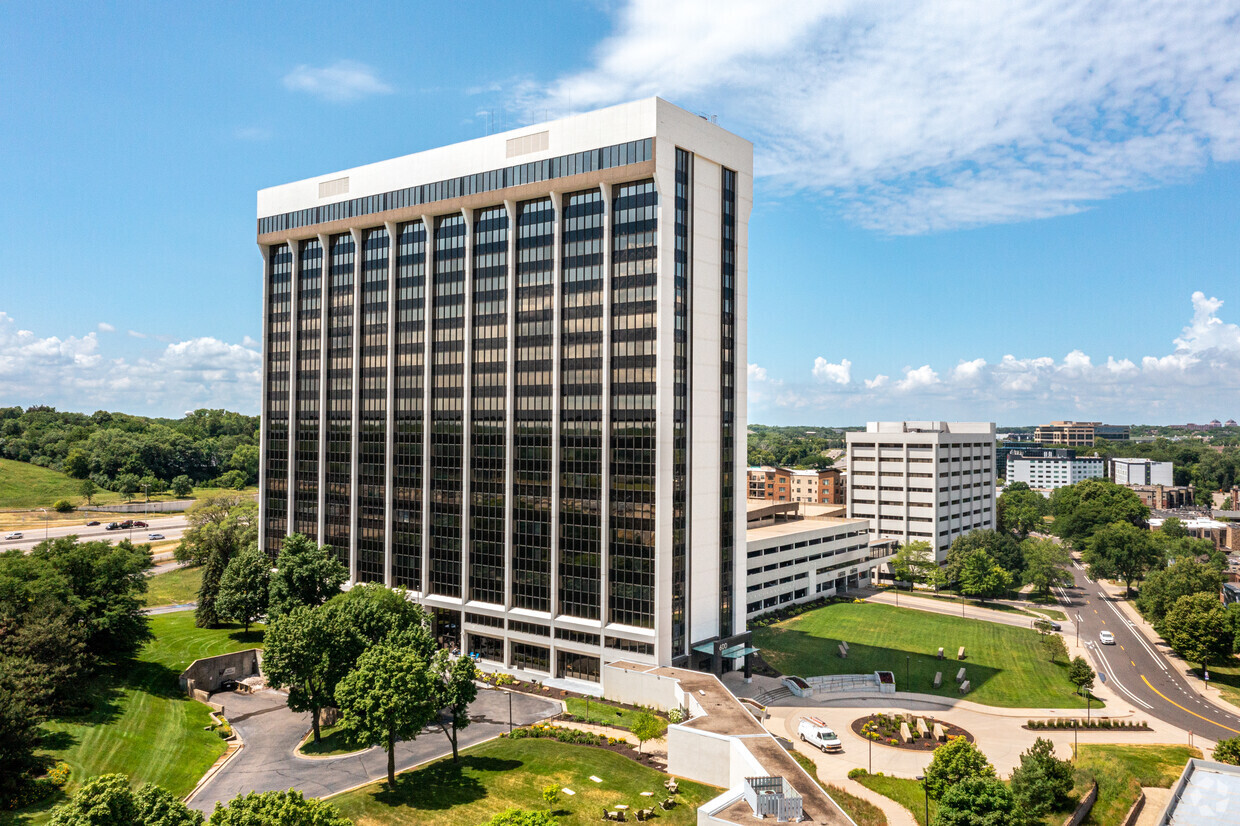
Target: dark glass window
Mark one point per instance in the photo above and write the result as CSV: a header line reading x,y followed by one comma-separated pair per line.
x,y
530,657
309,383
683,288
339,418
577,666
409,331
372,398
727,403
486,648
276,393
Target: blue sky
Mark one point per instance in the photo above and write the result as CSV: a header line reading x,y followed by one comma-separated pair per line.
x,y
962,210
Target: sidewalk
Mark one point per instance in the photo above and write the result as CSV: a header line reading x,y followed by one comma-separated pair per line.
x,y
932,605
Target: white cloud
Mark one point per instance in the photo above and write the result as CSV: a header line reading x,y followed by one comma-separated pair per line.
x,y
136,334
922,116
756,373
105,327
73,374
838,373
1197,380
342,81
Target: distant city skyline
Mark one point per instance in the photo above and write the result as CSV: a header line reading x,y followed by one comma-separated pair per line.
x,y
1024,212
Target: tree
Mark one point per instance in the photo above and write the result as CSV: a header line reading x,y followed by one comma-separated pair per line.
x,y
551,795
977,801
1080,674
128,484
1054,647
1081,510
457,690
982,577
182,486
289,808
954,761
521,817
1001,547
1044,564
1120,551
1199,629
109,800
913,563
1042,781
226,523
1183,577
645,726
1228,751
245,459
1173,528
76,464
19,737
206,614
244,587
1020,510
306,574
390,696
87,490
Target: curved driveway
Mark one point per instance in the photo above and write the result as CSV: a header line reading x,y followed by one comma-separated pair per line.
x,y
271,732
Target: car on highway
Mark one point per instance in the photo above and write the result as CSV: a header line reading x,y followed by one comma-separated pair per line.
x,y
141,525
154,536
1106,637
112,526
14,535
128,523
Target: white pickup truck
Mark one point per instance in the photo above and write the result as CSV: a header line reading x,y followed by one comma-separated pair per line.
x,y
819,735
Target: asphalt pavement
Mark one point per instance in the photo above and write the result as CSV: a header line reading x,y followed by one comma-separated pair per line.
x,y
271,732
172,527
1153,683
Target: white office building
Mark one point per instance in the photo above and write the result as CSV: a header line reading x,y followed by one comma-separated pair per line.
x,y
1142,472
1055,471
507,375
931,481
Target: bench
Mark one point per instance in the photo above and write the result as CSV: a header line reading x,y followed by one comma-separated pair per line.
x,y
938,679
960,653
940,652
671,785
617,817
964,687
667,803
843,652
960,675
845,644
645,814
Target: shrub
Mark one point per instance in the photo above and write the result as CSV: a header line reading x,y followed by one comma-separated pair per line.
x,y
853,774
58,775
677,715
63,506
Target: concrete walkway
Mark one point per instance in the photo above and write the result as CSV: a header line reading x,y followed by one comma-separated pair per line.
x,y
271,732
941,606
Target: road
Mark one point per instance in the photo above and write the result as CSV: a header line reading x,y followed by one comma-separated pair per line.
x,y
1152,683
170,526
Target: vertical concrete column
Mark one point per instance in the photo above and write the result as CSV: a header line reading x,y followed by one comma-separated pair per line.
x,y
293,344
683,645
325,282
509,400
428,359
467,380
604,562
557,320
262,421
389,446
356,387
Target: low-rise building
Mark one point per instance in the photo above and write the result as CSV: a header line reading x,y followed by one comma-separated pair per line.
x,y
1080,434
1164,497
1054,468
778,484
1141,472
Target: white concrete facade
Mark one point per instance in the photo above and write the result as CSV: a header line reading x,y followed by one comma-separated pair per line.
x,y
923,481
356,201
1051,472
1142,472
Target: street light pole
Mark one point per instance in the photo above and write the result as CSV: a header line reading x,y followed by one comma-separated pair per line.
x,y
510,712
44,523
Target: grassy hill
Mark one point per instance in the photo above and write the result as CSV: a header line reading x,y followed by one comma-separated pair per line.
x,y
23,485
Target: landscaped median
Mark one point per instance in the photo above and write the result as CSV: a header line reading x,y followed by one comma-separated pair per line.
x,y
512,772
1005,665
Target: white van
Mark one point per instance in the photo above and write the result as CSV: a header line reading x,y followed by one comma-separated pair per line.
x,y
819,735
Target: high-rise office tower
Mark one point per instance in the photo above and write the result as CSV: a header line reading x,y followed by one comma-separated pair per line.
x,y
508,375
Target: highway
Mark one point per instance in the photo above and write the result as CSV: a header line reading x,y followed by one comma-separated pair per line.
x,y
172,527
1153,684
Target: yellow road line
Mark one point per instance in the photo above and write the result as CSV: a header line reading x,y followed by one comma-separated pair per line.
x,y
1121,647
1190,711
1134,665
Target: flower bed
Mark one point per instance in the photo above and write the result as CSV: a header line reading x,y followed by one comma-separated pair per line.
x,y
585,738
884,729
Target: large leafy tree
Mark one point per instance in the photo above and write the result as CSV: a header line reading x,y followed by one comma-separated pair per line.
x,y
1185,576
1080,674
1083,509
109,800
289,808
1228,751
978,801
1020,510
982,577
1002,548
19,737
914,563
306,574
224,523
1045,564
244,587
1120,551
391,695
954,761
457,690
1042,781
1199,629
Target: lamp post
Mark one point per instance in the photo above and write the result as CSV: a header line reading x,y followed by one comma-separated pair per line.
x,y
510,712
44,523
925,791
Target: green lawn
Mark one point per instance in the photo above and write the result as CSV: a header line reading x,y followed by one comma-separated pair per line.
x,y
908,793
175,587
507,773
863,812
606,714
333,740
1004,664
23,485
140,723
1121,771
